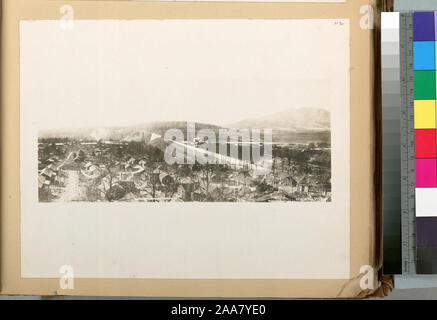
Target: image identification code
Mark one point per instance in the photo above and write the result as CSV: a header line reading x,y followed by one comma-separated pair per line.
x,y
231,309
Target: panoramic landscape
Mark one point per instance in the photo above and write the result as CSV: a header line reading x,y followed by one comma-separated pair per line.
x,y
128,164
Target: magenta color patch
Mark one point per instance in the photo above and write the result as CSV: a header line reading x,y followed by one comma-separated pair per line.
x,y
426,173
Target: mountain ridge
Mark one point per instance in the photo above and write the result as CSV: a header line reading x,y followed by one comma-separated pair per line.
x,y
299,120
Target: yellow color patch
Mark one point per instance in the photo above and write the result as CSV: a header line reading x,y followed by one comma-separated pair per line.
x,y
424,114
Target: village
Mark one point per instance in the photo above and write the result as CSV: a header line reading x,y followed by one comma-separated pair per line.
x,y
134,171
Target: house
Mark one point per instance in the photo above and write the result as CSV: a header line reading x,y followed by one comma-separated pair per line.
x,y
47,173
288,181
166,179
124,175
41,181
88,165
128,186
49,161
302,184
119,167
242,177
188,187
197,196
93,169
109,142
40,165
137,170
277,164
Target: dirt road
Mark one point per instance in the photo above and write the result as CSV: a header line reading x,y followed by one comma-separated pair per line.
x,y
70,157
73,191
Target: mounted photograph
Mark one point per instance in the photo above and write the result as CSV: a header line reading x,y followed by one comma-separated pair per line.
x,y
239,162
169,139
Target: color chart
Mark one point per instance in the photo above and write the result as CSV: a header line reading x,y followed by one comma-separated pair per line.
x,y
391,142
398,150
425,41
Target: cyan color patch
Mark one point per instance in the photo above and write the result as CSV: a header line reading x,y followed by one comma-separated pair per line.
x,y
424,55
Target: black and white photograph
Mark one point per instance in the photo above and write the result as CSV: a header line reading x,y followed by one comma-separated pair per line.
x,y
129,163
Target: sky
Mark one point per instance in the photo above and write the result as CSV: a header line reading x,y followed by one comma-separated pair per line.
x,y
112,73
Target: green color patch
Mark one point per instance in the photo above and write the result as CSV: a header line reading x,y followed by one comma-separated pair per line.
x,y
424,85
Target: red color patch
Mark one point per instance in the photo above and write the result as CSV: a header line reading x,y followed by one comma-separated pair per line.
x,y
426,146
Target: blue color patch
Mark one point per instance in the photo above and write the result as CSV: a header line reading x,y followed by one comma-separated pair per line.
x,y
424,28
424,55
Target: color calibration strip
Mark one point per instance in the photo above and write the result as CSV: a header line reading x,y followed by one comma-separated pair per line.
x,y
391,139
425,42
408,158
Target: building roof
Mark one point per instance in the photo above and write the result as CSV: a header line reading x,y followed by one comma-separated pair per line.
x,y
186,180
41,181
46,171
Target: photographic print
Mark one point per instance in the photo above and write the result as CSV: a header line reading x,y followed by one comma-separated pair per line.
x,y
163,148
276,149
129,163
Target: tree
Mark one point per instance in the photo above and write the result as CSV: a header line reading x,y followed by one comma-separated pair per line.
x,y
203,174
81,156
171,181
149,181
109,161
